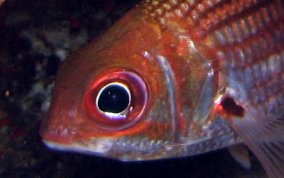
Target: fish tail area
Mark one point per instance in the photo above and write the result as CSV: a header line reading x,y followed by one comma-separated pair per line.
x,y
264,135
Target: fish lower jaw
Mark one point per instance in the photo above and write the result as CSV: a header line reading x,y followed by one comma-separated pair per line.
x,y
101,148
105,148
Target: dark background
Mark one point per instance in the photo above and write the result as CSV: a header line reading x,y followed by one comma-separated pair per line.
x,y
35,36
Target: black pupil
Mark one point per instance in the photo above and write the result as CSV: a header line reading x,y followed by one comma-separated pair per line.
x,y
113,99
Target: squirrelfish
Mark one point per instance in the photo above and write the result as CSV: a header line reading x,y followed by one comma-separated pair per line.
x,y
176,78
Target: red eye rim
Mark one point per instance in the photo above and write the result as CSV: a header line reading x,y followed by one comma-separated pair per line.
x,y
137,106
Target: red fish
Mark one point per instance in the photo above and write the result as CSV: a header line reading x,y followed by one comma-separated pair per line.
x,y
176,78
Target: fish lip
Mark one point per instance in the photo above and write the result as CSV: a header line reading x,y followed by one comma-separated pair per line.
x,y
100,148
76,148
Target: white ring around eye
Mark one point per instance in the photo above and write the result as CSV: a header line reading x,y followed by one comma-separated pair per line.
x,y
112,115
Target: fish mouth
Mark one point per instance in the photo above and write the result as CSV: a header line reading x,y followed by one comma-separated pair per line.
x,y
107,148
100,148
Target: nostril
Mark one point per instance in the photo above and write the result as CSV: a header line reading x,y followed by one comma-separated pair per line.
x,y
231,107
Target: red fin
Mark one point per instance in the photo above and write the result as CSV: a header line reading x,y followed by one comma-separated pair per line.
x,y
264,135
241,154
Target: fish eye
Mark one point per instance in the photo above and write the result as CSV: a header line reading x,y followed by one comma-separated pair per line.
x,y
116,99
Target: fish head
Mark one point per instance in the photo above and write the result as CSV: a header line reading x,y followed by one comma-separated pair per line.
x,y
135,94
112,98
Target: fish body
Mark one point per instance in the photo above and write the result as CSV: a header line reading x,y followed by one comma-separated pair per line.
x,y
176,78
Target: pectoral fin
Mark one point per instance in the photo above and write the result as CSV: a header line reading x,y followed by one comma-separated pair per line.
x,y
264,135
